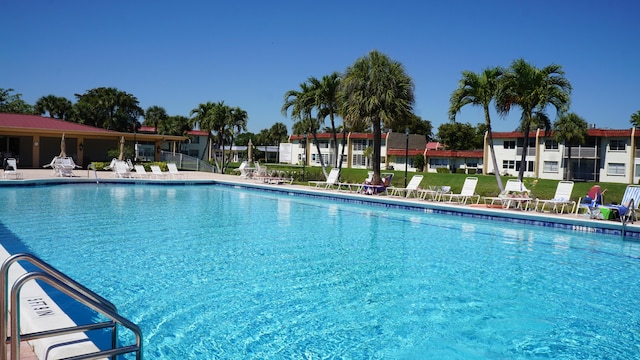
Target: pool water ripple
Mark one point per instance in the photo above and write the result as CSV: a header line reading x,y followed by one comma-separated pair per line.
x,y
214,272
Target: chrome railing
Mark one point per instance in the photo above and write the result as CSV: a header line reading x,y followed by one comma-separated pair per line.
x,y
47,273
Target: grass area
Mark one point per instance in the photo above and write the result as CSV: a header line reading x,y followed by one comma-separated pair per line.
x,y
487,186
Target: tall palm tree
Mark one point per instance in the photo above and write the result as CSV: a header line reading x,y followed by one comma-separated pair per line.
x,y
154,116
326,102
479,90
377,90
302,102
236,123
570,129
203,118
532,90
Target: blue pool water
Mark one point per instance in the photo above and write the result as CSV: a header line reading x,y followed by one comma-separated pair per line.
x,y
217,272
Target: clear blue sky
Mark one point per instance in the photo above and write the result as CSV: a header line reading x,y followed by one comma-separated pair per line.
x,y
178,54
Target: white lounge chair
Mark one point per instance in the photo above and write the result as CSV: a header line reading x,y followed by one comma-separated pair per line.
x,y
629,206
514,194
156,172
141,172
122,170
173,171
468,192
561,199
412,187
332,180
66,166
11,169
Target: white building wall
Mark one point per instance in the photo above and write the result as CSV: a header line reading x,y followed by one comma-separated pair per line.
x,y
615,160
551,164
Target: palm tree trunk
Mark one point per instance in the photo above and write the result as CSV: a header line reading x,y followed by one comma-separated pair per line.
x,y
344,145
525,145
322,165
377,142
496,171
569,162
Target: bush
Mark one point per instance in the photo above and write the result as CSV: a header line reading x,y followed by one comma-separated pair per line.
x,y
443,170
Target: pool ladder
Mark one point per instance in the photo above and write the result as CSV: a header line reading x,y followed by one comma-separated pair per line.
x,y
71,288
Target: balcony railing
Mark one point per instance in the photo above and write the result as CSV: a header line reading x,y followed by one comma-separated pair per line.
x,y
581,152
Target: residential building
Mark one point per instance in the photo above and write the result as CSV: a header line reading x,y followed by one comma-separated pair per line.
x,y
608,155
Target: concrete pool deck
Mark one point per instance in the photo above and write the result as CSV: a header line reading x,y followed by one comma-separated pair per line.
x,y
41,177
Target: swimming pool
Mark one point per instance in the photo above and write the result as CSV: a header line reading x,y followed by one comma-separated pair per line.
x,y
219,272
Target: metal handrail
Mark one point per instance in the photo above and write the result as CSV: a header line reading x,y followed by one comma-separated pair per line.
x,y
71,288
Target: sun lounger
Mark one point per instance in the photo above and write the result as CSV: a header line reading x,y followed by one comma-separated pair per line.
x,y
468,192
157,173
627,209
561,199
174,172
11,169
332,180
515,195
412,187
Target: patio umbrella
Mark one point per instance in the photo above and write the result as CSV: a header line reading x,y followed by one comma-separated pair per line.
x,y
250,149
63,152
121,156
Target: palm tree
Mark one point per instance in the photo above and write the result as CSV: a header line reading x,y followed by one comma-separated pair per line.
x,y
325,94
635,119
479,90
302,102
174,125
203,118
154,116
236,123
570,129
533,90
57,107
377,90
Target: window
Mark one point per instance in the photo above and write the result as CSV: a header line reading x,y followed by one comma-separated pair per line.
x,y
359,160
615,169
529,166
617,145
436,163
550,144
508,164
195,140
510,144
550,167
359,145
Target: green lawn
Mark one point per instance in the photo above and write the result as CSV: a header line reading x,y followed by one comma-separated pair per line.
x,y
543,189
487,186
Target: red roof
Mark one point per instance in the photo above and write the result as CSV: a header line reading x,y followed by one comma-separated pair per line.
x,y
36,122
455,153
402,152
590,132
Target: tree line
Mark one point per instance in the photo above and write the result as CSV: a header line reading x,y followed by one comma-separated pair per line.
x,y
374,94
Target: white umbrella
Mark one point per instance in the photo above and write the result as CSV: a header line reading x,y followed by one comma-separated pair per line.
x,y
63,152
250,148
121,156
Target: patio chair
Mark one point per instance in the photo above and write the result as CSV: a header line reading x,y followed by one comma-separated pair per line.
x,y
412,187
468,192
11,169
122,170
332,180
66,166
157,173
141,172
514,194
173,171
561,199
627,209
434,193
